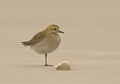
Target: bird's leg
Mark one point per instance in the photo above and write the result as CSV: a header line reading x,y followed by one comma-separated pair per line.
x,y
46,60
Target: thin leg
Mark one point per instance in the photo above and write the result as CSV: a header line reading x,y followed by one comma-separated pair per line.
x,y
46,60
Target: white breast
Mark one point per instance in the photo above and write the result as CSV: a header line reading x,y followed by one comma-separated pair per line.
x,y
47,45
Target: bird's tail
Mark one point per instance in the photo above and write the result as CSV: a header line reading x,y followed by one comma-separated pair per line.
x,y
26,43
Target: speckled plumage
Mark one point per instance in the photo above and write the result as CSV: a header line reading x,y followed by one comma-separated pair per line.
x,y
45,41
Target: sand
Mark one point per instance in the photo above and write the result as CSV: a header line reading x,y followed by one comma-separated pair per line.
x,y
29,69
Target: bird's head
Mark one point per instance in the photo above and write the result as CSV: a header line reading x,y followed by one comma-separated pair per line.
x,y
54,28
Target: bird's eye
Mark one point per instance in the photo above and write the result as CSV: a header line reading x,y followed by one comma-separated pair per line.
x,y
55,29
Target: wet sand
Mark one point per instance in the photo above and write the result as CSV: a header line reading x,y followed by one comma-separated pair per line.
x,y
29,69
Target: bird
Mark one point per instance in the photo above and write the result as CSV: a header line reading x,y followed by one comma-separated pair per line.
x,y
46,41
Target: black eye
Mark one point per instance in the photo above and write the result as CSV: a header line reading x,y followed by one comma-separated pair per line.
x,y
54,29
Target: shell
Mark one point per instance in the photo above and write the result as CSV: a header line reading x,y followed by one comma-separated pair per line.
x,y
63,65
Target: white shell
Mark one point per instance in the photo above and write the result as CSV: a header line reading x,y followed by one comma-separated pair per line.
x,y
63,65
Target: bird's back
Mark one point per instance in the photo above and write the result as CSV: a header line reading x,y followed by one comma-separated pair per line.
x,y
36,38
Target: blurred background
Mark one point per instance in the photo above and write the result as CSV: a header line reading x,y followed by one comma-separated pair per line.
x,y
91,27
88,24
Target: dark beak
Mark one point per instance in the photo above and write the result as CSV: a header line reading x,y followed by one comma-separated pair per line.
x,y
61,32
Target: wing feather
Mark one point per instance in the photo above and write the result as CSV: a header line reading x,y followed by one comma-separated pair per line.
x,y
37,38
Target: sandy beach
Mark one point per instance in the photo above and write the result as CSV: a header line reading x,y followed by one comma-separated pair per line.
x,y
91,42
29,69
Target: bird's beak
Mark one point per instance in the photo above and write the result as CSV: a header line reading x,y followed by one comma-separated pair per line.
x,y
60,31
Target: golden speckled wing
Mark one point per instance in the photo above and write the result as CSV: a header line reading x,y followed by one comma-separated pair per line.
x,y
37,38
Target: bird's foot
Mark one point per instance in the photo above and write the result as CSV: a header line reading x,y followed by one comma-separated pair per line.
x,y
47,65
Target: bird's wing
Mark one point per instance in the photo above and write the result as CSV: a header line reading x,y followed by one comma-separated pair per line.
x,y
37,38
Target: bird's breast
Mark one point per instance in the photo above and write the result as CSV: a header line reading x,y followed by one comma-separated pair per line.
x,y
48,44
